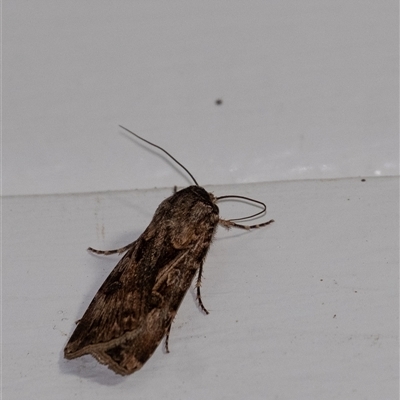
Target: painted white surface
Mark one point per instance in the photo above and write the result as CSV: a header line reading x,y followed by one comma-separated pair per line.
x,y
306,308
309,90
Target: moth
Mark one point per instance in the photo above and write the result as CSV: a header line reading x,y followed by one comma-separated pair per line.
x,y
135,306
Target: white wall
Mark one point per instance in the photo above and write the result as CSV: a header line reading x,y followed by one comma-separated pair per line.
x,y
309,90
306,308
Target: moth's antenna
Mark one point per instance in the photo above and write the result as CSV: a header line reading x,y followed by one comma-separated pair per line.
x,y
165,151
264,207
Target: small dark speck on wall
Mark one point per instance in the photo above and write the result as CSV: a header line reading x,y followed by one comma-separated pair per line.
x,y
218,102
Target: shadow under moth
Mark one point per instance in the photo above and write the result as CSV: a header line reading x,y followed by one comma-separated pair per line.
x,y
135,306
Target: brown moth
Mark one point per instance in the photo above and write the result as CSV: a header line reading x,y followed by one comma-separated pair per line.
x,y
135,306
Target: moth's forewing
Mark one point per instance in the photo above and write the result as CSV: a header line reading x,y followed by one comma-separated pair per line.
x,y
135,306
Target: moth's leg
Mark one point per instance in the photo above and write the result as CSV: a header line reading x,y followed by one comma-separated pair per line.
x,y
229,224
108,252
198,285
175,189
167,338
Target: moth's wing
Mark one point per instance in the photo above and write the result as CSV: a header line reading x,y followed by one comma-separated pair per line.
x,y
135,306
128,316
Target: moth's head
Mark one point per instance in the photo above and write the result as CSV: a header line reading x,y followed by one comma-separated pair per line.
x,y
197,194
